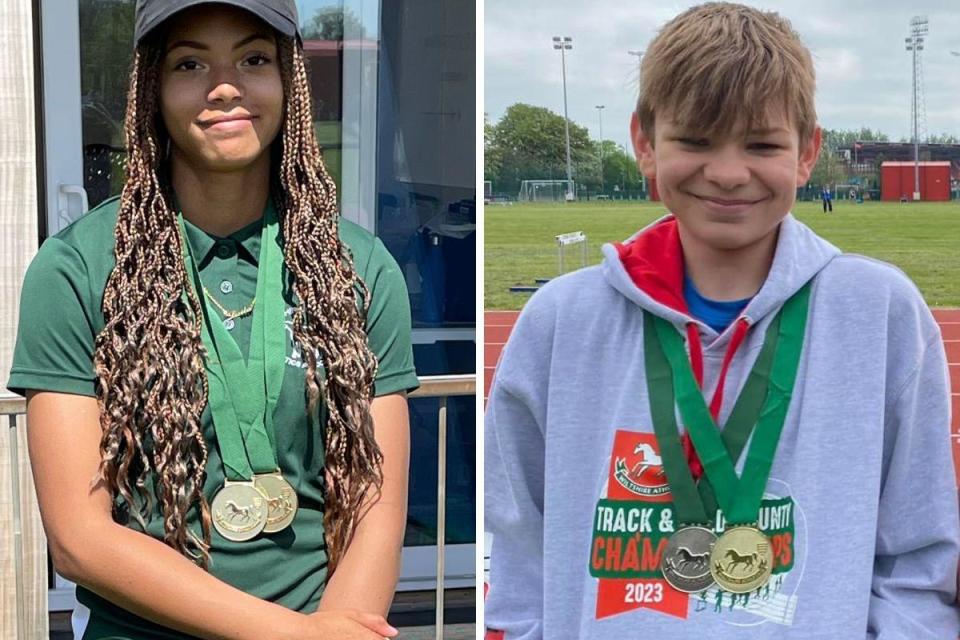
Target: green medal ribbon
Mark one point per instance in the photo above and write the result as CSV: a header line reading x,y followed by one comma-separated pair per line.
x,y
274,309
738,497
735,432
242,394
746,410
687,504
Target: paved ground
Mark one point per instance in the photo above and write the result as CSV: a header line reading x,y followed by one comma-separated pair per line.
x,y
497,326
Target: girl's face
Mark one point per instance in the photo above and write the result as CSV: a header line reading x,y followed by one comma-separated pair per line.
x,y
221,94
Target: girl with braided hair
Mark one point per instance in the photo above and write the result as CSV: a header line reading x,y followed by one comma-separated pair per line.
x,y
244,484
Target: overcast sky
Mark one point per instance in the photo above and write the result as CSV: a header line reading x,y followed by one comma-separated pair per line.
x,y
863,70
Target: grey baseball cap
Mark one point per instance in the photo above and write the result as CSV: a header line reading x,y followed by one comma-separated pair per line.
x,y
279,14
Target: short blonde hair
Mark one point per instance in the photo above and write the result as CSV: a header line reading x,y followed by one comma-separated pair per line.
x,y
718,65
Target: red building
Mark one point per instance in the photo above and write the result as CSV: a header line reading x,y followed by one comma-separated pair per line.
x,y
897,181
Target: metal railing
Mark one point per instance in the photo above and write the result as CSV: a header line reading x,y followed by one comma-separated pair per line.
x,y
441,387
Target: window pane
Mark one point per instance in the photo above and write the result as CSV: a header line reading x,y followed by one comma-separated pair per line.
x,y
106,52
426,217
426,159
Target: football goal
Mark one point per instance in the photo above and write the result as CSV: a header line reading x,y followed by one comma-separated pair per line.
x,y
546,191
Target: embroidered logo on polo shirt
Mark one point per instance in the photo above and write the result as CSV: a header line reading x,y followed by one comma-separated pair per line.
x,y
294,349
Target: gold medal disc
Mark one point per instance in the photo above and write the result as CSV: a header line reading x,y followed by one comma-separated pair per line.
x,y
741,560
281,501
239,511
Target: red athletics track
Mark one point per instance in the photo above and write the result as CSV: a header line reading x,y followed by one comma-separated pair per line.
x,y
497,325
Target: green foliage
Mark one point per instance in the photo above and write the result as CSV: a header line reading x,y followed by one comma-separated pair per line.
x,y
330,23
827,170
528,144
619,169
830,168
838,138
943,138
106,54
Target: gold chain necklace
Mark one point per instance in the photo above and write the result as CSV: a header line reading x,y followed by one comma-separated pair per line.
x,y
227,313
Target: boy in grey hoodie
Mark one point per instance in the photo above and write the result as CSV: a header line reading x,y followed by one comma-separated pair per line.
x,y
819,377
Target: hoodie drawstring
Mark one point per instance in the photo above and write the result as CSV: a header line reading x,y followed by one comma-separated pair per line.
x,y
696,363
696,352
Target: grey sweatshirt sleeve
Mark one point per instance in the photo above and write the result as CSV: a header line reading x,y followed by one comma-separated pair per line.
x,y
514,439
918,533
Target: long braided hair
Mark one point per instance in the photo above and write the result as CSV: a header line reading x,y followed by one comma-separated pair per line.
x,y
149,358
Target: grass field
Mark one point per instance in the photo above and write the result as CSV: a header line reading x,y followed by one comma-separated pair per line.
x,y
923,239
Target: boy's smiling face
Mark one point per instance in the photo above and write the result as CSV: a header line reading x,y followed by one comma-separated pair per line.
x,y
731,192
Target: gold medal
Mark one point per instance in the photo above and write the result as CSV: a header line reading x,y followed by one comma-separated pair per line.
x,y
742,560
239,511
685,562
281,500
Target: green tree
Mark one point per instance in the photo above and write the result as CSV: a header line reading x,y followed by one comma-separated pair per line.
x,y
105,63
492,164
943,138
830,168
528,144
330,23
620,172
844,139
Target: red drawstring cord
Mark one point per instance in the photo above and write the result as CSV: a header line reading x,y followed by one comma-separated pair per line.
x,y
696,363
696,352
738,335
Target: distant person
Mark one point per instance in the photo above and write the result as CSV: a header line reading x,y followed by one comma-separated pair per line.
x,y
827,198
826,505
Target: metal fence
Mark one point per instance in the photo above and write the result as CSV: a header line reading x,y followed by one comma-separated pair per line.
x,y
441,387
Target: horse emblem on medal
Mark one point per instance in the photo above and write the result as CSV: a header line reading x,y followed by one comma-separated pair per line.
x,y
742,560
239,511
685,563
281,499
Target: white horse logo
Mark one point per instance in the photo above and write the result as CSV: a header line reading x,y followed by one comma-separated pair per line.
x,y
648,458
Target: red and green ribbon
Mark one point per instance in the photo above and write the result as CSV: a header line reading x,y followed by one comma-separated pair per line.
x,y
760,409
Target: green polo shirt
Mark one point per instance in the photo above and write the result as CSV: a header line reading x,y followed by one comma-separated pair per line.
x,y
60,316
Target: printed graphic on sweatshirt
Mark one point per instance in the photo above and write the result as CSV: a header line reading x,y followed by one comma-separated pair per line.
x,y
632,524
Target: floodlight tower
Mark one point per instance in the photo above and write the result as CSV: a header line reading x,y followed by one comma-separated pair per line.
x,y
600,108
918,29
639,54
565,44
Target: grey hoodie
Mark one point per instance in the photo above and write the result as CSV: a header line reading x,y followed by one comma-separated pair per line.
x,y
861,504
